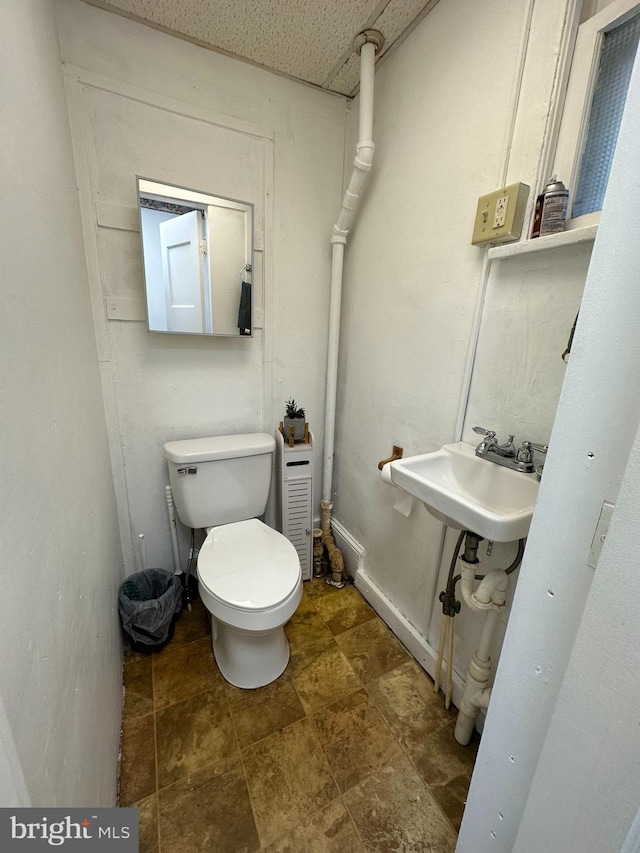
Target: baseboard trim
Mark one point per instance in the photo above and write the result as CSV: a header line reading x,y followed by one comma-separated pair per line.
x,y
352,551
413,641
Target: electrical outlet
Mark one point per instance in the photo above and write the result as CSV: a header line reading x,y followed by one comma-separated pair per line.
x,y
500,215
501,212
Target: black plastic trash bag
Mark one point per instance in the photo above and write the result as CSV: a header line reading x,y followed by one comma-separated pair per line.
x,y
148,602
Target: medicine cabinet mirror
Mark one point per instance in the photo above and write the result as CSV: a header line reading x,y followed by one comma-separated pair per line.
x,y
198,256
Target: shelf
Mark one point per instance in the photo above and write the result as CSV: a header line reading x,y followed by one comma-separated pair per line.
x,y
542,244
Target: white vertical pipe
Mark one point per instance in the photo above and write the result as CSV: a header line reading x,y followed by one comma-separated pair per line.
x,y
483,652
367,67
361,167
489,597
337,259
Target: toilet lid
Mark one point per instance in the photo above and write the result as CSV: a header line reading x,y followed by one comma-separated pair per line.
x,y
248,565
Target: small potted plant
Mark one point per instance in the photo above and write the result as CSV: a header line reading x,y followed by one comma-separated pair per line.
x,y
294,417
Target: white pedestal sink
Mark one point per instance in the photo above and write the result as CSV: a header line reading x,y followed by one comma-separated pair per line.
x,y
469,493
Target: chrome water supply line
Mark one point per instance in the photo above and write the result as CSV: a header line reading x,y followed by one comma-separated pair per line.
x,y
173,527
193,555
366,44
143,551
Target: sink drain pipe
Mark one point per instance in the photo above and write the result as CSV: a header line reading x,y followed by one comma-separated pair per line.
x,y
366,43
489,597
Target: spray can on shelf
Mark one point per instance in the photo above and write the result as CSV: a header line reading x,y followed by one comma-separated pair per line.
x,y
551,209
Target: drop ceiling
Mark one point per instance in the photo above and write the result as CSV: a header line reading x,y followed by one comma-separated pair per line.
x,y
309,40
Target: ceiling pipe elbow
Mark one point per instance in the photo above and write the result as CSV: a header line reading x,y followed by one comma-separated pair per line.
x,y
366,44
368,37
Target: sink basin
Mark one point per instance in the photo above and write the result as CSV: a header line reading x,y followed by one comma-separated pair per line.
x,y
469,493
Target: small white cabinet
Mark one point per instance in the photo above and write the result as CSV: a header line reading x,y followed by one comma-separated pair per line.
x,y
295,496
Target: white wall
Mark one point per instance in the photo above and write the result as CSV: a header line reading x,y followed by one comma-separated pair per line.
x,y
60,677
412,276
530,305
142,102
558,762
415,287
452,122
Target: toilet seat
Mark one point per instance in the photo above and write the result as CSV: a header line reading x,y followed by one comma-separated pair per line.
x,y
249,575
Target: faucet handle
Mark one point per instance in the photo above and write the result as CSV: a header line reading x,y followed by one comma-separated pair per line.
x,y
482,431
541,448
525,454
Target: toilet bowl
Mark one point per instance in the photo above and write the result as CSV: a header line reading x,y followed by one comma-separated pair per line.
x,y
249,575
250,581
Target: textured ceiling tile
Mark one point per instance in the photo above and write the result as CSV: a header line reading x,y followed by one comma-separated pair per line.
x,y
303,38
347,79
395,23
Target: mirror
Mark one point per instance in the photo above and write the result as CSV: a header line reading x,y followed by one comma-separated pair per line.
x,y
198,257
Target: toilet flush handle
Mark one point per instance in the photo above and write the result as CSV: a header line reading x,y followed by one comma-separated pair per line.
x,y
189,469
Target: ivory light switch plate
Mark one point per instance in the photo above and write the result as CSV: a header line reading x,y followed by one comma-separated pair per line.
x,y
600,535
500,215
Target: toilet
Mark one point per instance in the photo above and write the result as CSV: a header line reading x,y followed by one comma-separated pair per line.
x,y
249,575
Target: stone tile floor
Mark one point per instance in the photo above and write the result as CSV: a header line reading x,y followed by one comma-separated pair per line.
x,y
349,750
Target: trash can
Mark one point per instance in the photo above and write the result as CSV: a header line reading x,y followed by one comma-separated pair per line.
x,y
148,603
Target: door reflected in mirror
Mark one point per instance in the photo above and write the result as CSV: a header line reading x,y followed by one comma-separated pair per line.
x,y
198,257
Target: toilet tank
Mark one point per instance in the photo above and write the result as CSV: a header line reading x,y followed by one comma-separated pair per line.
x,y
221,479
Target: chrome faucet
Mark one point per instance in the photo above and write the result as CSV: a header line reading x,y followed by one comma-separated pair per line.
x,y
506,454
489,444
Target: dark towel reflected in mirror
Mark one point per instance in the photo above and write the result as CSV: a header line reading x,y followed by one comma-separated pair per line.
x,y
244,311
